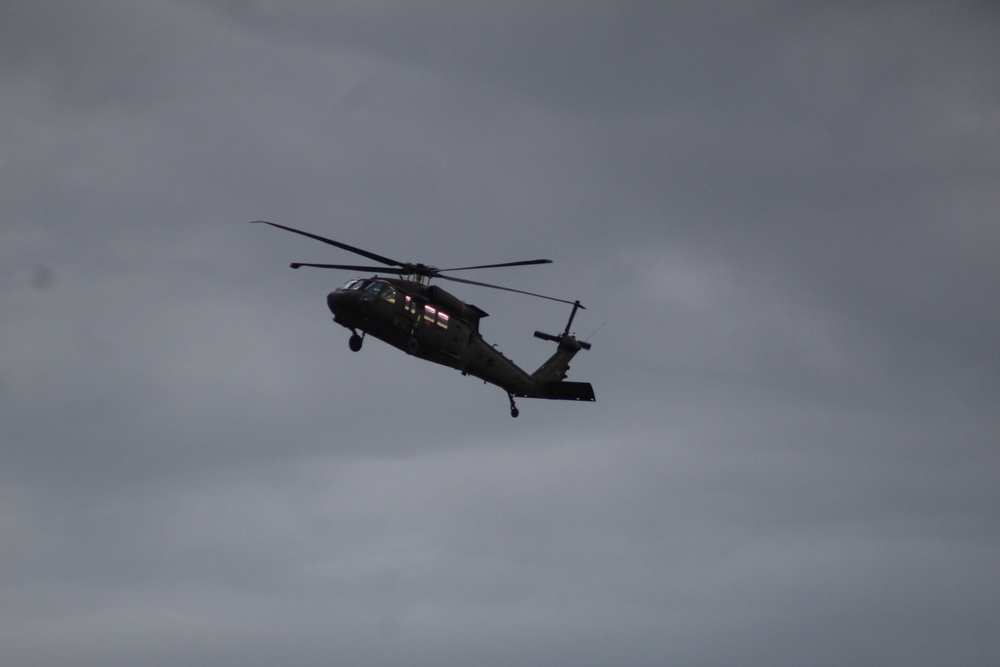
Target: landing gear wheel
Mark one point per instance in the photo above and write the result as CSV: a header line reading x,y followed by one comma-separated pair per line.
x,y
355,342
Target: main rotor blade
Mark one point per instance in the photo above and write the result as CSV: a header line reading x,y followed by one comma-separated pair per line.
x,y
350,267
526,262
338,244
506,289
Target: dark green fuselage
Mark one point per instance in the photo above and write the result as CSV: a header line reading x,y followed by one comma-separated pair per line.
x,y
429,323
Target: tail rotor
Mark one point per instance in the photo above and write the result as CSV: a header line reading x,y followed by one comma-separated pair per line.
x,y
565,335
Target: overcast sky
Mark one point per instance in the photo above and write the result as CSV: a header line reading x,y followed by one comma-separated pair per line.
x,y
783,221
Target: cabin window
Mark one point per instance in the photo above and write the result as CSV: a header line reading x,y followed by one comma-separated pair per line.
x,y
389,294
434,316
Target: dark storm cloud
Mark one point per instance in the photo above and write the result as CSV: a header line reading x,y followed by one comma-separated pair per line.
x,y
782,219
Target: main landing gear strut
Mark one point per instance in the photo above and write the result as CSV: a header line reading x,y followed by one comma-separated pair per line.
x,y
514,412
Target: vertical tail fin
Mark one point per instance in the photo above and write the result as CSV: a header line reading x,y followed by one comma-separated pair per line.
x,y
551,374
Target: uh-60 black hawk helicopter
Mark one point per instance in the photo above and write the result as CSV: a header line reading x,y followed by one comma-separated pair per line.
x,y
427,322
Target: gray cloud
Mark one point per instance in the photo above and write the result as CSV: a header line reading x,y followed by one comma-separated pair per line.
x,y
782,220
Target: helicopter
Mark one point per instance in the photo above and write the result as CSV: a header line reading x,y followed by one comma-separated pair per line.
x,y
429,323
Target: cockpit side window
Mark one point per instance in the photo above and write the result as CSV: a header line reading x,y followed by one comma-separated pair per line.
x,y
389,294
374,288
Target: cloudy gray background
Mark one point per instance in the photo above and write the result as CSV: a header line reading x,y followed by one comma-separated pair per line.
x,y
782,216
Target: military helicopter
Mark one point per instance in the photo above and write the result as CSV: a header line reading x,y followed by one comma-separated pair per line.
x,y
429,323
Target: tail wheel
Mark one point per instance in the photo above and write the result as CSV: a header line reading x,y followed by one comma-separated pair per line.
x,y
514,412
354,342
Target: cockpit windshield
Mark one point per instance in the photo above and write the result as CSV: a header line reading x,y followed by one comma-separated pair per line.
x,y
381,289
353,283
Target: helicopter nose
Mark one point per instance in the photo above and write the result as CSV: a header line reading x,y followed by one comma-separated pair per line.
x,y
335,301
